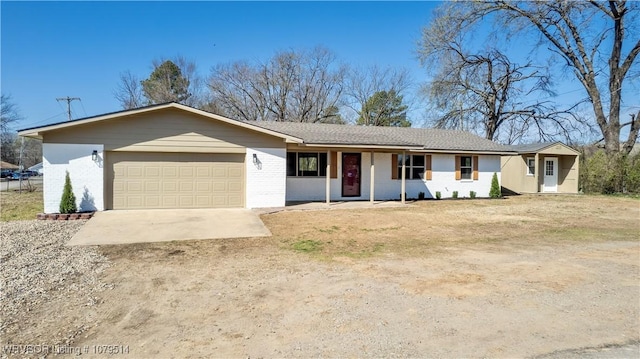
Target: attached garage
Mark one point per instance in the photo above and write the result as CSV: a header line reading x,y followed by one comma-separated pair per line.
x,y
166,156
149,180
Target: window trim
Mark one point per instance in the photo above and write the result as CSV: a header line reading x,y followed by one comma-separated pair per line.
x,y
530,171
321,169
470,167
475,165
410,167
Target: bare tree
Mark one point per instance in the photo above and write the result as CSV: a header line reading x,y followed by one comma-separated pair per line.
x,y
297,86
8,116
482,89
8,113
129,91
362,84
595,39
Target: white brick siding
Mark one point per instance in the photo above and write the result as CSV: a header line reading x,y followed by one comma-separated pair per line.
x,y
443,180
266,180
87,176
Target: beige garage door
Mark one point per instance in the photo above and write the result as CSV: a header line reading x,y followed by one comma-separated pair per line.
x,y
176,180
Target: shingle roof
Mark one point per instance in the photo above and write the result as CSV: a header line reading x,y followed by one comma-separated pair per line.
x,y
531,147
423,138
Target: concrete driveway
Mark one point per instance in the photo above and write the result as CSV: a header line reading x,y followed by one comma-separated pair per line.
x,y
160,225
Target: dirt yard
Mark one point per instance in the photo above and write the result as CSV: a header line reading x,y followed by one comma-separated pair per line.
x,y
521,277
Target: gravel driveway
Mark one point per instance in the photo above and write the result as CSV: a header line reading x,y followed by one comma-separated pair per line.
x,y
39,273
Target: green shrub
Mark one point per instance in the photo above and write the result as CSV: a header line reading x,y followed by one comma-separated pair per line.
x,y
607,174
632,179
438,195
472,194
454,194
421,195
495,191
68,201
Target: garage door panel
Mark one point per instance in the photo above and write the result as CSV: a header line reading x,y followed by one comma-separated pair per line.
x,y
235,172
220,172
170,172
152,201
235,187
202,186
152,172
235,200
171,180
152,186
203,172
134,186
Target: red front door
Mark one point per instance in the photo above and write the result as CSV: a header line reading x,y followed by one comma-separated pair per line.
x,y
350,175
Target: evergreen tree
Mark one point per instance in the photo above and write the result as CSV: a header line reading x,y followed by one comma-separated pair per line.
x,y
495,191
68,201
384,108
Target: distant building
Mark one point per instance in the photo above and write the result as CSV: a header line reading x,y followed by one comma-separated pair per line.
x,y
38,168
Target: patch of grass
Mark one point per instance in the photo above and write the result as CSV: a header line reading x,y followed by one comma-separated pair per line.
x,y
379,229
329,230
17,206
307,246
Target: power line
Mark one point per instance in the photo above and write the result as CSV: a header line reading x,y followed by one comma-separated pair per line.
x,y
83,110
68,99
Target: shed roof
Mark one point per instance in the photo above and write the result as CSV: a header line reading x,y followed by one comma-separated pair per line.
x,y
538,147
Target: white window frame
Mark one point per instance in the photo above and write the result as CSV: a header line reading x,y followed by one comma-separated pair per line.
x,y
411,166
531,170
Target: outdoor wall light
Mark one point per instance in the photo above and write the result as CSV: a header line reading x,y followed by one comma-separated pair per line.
x,y
255,158
94,156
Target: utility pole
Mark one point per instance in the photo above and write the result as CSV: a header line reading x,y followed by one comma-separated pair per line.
x,y
68,99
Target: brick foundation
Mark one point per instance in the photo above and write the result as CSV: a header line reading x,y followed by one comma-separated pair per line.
x,y
64,217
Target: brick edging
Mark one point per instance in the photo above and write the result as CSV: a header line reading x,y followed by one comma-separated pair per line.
x,y
64,217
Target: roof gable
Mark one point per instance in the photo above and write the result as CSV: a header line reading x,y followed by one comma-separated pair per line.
x,y
36,132
544,147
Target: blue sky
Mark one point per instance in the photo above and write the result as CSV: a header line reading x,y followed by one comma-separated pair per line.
x,y
78,49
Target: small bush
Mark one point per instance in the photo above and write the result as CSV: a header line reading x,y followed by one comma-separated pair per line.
x,y
421,196
438,195
68,201
495,191
454,194
472,194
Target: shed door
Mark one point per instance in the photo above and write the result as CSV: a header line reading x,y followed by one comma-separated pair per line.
x,y
145,180
550,174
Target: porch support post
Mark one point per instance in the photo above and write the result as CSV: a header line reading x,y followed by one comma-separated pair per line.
x,y
404,185
371,186
536,171
328,179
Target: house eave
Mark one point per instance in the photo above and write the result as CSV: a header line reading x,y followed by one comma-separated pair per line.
x,y
36,132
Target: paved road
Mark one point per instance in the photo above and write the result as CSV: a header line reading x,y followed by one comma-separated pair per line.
x,y
15,185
